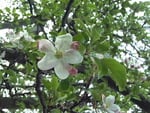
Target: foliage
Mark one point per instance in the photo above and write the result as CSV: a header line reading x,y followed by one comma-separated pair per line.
x,y
117,29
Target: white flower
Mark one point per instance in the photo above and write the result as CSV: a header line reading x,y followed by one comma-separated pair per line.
x,y
97,55
12,37
109,105
59,56
26,36
15,37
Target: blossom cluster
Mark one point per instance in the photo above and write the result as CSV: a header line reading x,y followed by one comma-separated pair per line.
x,y
14,38
61,54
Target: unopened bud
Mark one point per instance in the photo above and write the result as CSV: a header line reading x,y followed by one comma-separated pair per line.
x,y
75,45
73,71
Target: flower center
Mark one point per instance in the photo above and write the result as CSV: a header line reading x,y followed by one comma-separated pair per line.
x,y
108,105
59,54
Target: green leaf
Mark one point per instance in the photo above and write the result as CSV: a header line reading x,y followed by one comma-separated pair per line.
x,y
54,82
56,111
7,9
47,84
12,75
51,84
28,68
64,84
118,72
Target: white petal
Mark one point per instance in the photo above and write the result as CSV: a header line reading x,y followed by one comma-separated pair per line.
x,y
73,57
109,100
99,56
63,42
110,111
45,45
114,108
61,70
47,62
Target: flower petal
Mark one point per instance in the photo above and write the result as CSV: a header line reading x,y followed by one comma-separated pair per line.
x,y
63,42
110,111
45,45
61,70
99,56
115,108
47,62
109,100
73,57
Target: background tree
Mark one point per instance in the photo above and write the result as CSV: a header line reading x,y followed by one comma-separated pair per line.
x,y
116,29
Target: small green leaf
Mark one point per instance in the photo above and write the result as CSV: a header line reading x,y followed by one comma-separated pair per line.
x,y
47,84
64,84
118,72
54,82
51,84
12,75
7,9
28,68
56,111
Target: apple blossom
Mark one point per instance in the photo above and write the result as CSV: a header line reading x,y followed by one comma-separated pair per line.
x,y
59,55
108,103
15,37
26,36
97,55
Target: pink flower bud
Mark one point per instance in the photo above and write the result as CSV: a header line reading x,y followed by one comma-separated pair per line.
x,y
73,71
75,45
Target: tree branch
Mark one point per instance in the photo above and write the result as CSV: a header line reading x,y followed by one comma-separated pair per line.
x,y
64,19
39,91
31,3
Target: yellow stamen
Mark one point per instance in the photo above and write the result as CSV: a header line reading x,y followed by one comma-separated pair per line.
x,y
59,54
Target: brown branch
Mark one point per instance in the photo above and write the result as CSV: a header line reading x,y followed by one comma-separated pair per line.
x,y
64,19
31,3
84,98
39,91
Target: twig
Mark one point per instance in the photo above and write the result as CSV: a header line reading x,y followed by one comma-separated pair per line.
x,y
39,91
31,8
64,19
85,96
